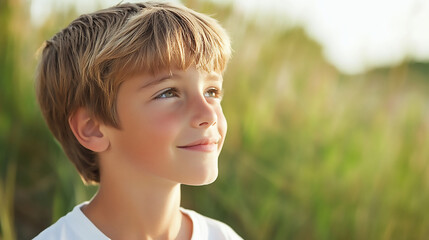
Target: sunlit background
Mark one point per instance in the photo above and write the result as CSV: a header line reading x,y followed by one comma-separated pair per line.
x,y
328,110
355,35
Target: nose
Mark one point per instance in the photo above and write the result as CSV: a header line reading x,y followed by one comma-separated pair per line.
x,y
203,113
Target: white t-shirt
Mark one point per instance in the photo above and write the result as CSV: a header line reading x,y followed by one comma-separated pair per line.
x,y
76,226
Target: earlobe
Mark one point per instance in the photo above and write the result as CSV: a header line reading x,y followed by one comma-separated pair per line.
x,y
87,131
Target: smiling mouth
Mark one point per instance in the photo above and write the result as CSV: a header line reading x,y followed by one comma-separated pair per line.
x,y
203,145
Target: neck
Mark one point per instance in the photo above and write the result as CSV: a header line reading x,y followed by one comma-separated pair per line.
x,y
147,210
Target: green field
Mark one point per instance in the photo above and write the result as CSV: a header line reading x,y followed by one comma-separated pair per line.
x,y
311,153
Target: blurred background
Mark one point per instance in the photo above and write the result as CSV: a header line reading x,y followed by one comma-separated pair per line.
x,y
328,110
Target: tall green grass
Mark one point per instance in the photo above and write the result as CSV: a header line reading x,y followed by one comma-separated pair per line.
x,y
310,154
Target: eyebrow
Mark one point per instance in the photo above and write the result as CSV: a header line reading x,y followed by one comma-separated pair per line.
x,y
214,77
158,80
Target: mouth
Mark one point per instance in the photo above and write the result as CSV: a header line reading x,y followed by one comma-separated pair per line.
x,y
202,145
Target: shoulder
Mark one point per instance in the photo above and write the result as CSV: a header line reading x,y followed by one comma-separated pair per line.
x,y
210,229
73,226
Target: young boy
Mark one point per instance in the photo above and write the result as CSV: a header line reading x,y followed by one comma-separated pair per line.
x,y
133,94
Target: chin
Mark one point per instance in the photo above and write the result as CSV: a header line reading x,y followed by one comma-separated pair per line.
x,y
204,178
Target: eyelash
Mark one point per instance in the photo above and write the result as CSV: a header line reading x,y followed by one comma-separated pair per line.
x,y
168,90
217,93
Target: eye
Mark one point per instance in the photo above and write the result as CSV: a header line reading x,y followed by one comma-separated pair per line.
x,y
168,93
214,93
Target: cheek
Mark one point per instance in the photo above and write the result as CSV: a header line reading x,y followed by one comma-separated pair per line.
x,y
162,124
222,123
149,137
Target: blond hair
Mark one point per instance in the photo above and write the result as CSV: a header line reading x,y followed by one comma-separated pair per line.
x,y
85,63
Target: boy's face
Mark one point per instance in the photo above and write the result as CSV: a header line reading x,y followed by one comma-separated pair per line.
x,y
171,126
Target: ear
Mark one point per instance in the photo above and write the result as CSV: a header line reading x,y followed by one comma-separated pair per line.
x,y
87,131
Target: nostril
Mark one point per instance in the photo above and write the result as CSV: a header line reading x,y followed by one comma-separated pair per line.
x,y
206,123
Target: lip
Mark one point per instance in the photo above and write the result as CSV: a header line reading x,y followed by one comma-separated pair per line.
x,y
202,145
